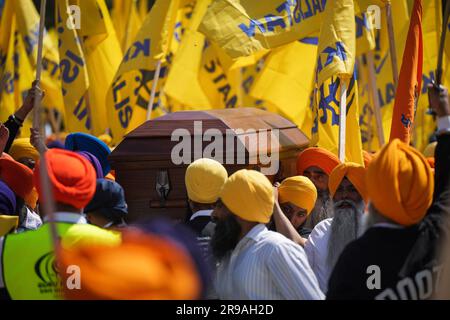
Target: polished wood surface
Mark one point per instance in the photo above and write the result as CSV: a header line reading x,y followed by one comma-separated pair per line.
x,y
147,150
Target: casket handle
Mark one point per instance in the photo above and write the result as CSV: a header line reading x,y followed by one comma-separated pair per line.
x,y
162,186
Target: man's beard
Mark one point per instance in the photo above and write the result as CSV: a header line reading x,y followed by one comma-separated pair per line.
x,y
323,209
345,227
226,237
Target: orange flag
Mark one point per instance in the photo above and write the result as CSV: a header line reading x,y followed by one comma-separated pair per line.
x,y
410,79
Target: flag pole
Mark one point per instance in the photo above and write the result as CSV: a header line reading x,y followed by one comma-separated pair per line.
x,y
37,106
392,46
342,120
153,94
48,205
442,44
375,100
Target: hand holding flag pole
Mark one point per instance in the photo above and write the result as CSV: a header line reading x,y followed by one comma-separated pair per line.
x,y
437,84
442,45
48,205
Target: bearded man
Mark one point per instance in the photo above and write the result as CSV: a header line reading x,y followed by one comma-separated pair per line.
x,y
407,222
255,263
331,236
317,164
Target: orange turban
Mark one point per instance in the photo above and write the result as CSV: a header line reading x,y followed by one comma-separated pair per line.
x,y
300,191
143,267
20,179
316,157
354,172
367,158
400,183
72,177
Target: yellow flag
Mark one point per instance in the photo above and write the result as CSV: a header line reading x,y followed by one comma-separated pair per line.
x,y
7,90
24,76
17,70
127,21
425,124
286,83
367,121
365,29
249,76
183,20
129,94
216,82
336,52
74,74
28,30
335,66
327,119
383,66
243,27
103,56
183,85
142,8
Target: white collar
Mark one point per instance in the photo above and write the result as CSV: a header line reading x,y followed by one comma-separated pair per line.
x,y
201,213
67,217
256,232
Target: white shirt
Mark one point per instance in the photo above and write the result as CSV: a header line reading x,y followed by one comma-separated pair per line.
x,y
201,213
265,265
316,249
58,217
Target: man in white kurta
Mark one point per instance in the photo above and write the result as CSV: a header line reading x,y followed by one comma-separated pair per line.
x,y
329,238
255,263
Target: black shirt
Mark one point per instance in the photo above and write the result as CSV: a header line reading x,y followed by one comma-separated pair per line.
x,y
13,128
398,263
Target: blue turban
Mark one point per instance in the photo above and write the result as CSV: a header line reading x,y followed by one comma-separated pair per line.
x,y
109,200
7,200
89,143
94,161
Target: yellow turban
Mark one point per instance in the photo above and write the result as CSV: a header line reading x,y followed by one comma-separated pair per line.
x,y
22,148
204,179
299,191
249,195
429,150
400,183
354,172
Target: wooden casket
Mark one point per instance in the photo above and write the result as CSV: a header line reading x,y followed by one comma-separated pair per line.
x,y
150,163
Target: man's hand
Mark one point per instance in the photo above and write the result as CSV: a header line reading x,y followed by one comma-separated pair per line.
x,y
4,136
275,191
34,93
36,140
438,99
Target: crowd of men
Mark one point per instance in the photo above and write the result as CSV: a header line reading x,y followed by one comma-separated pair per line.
x,y
335,231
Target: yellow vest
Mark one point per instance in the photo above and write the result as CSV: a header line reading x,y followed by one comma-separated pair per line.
x,y
29,267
